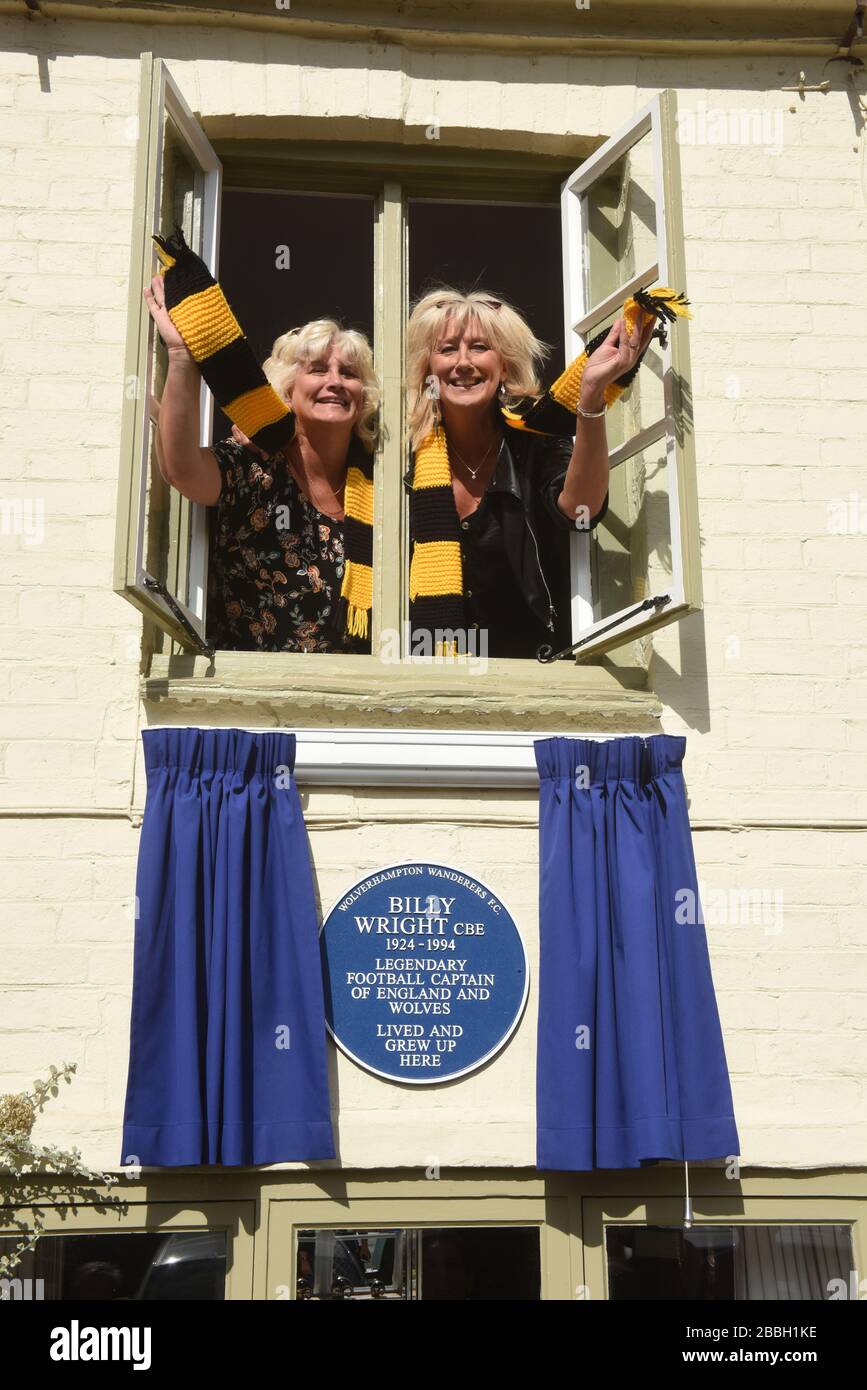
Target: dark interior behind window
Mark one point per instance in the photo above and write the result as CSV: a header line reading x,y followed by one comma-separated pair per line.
x,y
513,250
330,264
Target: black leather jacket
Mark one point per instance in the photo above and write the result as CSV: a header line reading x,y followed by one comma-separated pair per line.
x,y
527,481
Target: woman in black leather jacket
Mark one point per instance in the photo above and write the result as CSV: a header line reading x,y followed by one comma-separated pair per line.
x,y
517,493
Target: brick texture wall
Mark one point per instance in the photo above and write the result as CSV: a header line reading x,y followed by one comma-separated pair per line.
x,y
769,683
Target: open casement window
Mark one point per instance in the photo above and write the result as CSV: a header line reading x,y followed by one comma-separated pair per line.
x,y
403,203
622,231
161,552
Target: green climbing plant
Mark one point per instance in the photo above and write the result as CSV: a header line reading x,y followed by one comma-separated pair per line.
x,y
29,1163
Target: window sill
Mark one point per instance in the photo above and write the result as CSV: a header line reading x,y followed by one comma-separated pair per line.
x,y
360,692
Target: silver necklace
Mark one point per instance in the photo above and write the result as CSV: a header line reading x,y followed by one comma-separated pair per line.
x,y
474,472
295,464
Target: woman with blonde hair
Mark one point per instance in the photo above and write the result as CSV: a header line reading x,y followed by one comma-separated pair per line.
x,y
493,499
290,563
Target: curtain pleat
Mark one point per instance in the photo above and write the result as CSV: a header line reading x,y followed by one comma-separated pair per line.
x,y
631,1066
227,1036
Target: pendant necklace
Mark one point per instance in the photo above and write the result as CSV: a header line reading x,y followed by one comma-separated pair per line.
x,y
473,472
293,464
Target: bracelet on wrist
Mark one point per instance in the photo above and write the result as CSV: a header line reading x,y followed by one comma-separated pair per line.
x,y
591,414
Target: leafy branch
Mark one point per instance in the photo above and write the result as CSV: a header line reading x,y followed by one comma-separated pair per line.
x,y
27,1161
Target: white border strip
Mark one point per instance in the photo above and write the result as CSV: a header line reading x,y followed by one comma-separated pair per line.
x,y
414,757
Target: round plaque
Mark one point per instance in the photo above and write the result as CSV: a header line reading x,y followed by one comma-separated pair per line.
x,y
425,973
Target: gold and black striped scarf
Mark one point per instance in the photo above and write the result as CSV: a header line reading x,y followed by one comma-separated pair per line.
x,y
200,312
436,586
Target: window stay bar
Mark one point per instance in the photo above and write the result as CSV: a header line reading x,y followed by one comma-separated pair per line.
x,y
156,587
545,653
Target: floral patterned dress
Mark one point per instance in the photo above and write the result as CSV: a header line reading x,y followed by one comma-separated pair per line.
x,y
276,563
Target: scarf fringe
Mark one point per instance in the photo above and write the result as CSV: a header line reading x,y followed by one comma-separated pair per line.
x,y
357,621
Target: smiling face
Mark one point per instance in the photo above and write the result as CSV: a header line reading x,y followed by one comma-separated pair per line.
x,y
327,390
468,369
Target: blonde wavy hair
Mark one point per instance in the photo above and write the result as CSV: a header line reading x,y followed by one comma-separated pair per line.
x,y
312,342
501,325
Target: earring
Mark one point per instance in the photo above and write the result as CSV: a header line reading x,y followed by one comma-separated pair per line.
x,y
437,415
502,390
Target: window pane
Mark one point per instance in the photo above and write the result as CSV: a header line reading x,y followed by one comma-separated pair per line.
x,y
631,547
287,258
502,1263
181,203
727,1263
135,1265
457,1264
643,402
621,221
157,511
511,250
183,182
352,1264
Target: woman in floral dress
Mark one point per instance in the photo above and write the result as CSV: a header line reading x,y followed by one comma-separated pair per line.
x,y
277,543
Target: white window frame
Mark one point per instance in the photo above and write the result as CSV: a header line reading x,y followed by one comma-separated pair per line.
x,y
582,320
161,100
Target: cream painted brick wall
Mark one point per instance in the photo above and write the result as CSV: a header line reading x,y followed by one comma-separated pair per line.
x,y
768,683
791,983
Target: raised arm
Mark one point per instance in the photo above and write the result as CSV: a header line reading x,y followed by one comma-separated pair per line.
x,y
183,462
586,481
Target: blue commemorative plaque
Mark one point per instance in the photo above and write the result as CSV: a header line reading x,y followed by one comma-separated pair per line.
x,y
424,970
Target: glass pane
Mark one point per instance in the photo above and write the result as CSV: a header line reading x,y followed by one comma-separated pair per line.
x,y
181,202
288,258
407,1265
492,1264
471,246
157,509
643,402
131,1265
164,517
351,1264
183,184
621,221
727,1263
631,550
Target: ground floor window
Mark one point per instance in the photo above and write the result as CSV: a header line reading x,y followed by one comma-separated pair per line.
x,y
444,1263
754,1263
128,1249
122,1267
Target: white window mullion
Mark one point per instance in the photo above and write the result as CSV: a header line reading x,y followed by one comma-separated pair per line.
x,y
574,234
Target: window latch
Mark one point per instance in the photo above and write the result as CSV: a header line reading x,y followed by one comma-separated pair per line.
x,y
177,612
546,654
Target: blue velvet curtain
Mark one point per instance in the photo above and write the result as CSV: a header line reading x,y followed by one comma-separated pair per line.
x,y
227,1057
631,1065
